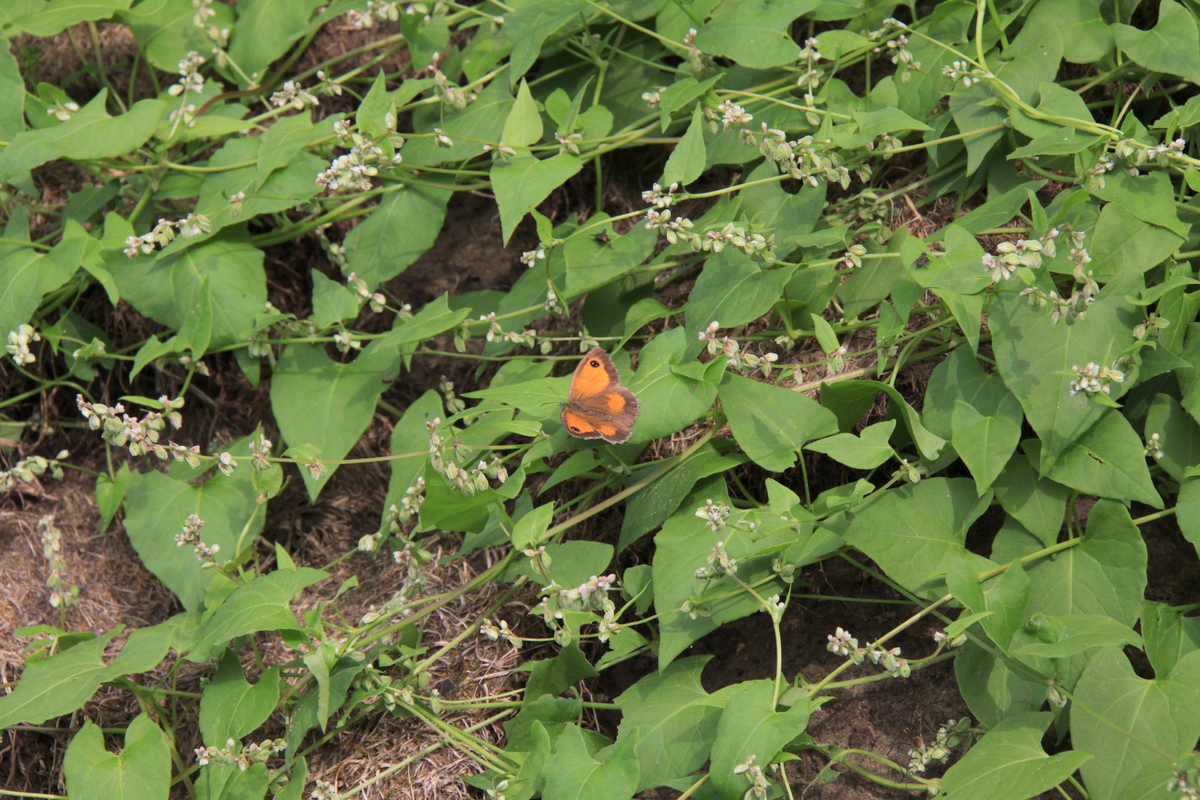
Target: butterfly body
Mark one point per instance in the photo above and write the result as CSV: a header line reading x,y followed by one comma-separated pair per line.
x,y
598,406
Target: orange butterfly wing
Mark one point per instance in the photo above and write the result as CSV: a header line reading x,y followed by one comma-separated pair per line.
x,y
597,406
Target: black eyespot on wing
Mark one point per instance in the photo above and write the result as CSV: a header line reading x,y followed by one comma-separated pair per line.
x,y
594,364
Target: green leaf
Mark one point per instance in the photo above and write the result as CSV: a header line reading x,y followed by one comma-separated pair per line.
x,y
523,181
51,687
1063,637
26,275
523,126
400,229
670,401
1168,636
157,505
172,288
1037,503
652,506
90,134
772,423
992,691
590,265
574,773
110,493
1087,36
1133,721
1172,46
12,91
260,605
528,26
687,160
769,209
754,33
141,771
531,527
979,119
1123,242
986,442
470,129
332,301
858,452
325,404
283,141
916,532
750,725
733,289
1150,197
1009,762
410,437
1034,357
1001,599
266,29
868,285
164,28
1188,511
672,719
1109,461
849,400
231,707
372,114
1179,435
57,15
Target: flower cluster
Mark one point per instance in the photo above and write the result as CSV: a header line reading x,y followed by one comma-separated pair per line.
x,y
803,159
658,198
962,71
62,594
1185,777
719,563
755,777
733,115
591,595
853,257
450,94
164,233
714,514
377,10
356,168
204,12
27,468
294,95
494,633
63,111
1153,447
900,55
18,344
948,737
189,536
377,300
1150,327
496,332
141,435
1094,379
843,644
409,509
910,472
733,352
1138,155
1095,174
191,81
463,480
233,754
530,257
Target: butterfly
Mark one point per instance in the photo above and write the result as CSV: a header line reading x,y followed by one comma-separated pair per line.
x,y
598,406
